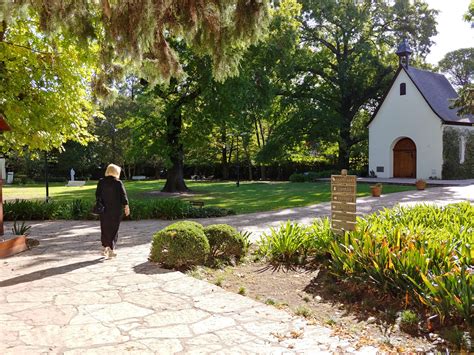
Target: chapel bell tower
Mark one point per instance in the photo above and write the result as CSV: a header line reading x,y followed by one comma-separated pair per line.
x,y
404,52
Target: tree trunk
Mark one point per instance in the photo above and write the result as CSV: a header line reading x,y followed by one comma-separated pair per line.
x,y
344,143
175,175
225,164
263,172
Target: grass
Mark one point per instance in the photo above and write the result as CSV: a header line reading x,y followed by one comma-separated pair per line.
x,y
249,197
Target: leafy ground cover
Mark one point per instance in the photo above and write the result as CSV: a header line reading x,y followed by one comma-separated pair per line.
x,y
404,278
249,197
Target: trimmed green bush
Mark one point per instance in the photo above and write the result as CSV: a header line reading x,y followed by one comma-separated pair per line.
x,y
296,177
225,241
312,176
180,245
186,224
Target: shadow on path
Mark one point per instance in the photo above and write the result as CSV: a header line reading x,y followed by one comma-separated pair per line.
x,y
149,268
41,274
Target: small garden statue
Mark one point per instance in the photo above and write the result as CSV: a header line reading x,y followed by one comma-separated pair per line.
x,y
73,173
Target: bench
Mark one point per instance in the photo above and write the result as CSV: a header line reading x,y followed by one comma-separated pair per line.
x,y
138,177
197,203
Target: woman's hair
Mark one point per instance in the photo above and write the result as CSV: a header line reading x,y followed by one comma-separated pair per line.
x,y
113,170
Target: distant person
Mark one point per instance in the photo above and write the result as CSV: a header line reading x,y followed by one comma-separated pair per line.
x,y
111,192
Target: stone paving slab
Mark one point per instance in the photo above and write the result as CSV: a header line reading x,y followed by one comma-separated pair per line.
x,y
63,297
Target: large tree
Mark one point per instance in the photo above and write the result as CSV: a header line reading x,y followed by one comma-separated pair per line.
x,y
346,62
139,33
459,65
44,92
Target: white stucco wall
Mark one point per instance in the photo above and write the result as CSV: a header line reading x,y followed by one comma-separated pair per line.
x,y
406,116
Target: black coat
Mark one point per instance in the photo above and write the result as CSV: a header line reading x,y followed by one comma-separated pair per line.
x,y
113,195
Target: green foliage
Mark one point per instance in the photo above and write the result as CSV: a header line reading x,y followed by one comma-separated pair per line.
x,y
424,252
294,243
465,102
21,229
180,246
303,311
81,209
141,35
452,167
459,65
296,177
209,211
320,236
286,244
409,321
186,224
242,291
312,176
344,63
225,241
44,94
159,208
32,210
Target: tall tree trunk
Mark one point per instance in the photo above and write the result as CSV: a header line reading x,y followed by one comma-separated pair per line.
x,y
263,172
344,143
225,164
175,175
247,156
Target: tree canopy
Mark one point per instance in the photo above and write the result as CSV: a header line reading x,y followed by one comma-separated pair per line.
x,y
139,33
459,65
344,63
44,90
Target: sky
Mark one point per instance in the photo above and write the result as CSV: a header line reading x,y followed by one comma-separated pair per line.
x,y
453,31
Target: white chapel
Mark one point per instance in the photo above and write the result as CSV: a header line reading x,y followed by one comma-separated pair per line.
x,y
414,133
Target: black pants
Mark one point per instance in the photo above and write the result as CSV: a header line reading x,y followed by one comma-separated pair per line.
x,y
109,226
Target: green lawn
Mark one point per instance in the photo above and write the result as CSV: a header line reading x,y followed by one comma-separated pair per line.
x,y
249,197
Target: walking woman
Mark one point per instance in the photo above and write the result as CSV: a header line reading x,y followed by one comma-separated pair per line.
x,y
111,192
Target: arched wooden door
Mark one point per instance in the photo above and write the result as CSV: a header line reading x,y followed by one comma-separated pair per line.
x,y
404,159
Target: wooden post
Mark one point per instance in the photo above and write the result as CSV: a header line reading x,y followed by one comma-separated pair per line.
x,y
343,202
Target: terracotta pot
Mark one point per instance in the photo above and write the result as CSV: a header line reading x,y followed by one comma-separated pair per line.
x,y
420,184
13,246
376,191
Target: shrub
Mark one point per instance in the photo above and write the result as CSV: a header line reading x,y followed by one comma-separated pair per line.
x,y
81,209
423,253
208,212
296,177
286,244
31,210
225,241
312,176
180,245
186,224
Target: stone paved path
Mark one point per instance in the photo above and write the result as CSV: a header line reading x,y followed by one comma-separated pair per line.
x,y
62,297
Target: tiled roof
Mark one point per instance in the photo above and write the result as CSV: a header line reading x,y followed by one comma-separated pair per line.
x,y
439,94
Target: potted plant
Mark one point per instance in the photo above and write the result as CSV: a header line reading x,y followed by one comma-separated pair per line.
x,y
420,184
376,190
16,244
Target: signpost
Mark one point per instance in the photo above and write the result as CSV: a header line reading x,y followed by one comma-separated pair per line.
x,y
3,127
343,202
